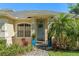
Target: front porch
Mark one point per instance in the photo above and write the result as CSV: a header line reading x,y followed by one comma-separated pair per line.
x,y
40,28
38,25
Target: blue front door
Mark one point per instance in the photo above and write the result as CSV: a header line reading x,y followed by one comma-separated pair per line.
x,y
40,31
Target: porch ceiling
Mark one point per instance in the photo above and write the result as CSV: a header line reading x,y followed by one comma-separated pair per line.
x,y
43,16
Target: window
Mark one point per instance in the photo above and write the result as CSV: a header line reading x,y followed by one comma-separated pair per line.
x,y
23,30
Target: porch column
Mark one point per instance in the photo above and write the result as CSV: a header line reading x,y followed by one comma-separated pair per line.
x,y
46,31
34,26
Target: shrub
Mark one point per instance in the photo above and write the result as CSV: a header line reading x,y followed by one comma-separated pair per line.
x,y
29,48
2,41
13,49
65,29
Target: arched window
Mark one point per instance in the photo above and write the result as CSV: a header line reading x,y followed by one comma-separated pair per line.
x,y
23,30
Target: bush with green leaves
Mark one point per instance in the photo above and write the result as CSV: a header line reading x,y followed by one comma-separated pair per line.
x,y
13,49
2,41
65,29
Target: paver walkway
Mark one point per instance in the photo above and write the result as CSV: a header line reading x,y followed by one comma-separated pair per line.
x,y
37,52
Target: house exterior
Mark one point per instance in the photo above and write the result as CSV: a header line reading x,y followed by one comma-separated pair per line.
x,y
15,25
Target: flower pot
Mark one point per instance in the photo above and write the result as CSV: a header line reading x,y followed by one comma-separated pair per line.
x,y
49,42
33,42
24,42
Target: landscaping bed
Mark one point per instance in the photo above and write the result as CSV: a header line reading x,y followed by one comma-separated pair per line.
x,y
13,50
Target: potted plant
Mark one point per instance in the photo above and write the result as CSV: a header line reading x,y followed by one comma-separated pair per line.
x,y
33,40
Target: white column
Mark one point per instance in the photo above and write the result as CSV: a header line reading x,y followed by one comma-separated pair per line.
x,y
33,26
46,31
46,36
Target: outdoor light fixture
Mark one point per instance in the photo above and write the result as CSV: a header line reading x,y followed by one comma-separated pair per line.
x,y
29,17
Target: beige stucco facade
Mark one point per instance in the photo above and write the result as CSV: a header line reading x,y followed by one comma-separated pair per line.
x,y
11,22
34,28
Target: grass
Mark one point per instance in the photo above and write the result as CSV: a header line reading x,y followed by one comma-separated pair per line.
x,y
63,53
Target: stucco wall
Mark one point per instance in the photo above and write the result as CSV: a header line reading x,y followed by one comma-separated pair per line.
x,y
17,40
7,30
11,25
6,27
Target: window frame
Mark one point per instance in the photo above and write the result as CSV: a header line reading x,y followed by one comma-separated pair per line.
x,y
23,30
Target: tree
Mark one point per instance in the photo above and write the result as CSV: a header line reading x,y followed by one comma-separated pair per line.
x,y
65,30
74,8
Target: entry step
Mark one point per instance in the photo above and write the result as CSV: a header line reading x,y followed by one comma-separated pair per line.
x,y
40,42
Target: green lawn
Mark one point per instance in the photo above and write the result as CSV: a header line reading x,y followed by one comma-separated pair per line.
x,y
63,53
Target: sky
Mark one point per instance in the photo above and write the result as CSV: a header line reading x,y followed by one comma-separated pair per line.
x,y
59,7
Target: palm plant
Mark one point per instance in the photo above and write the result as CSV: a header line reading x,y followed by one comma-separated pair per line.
x,y
57,27
65,30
